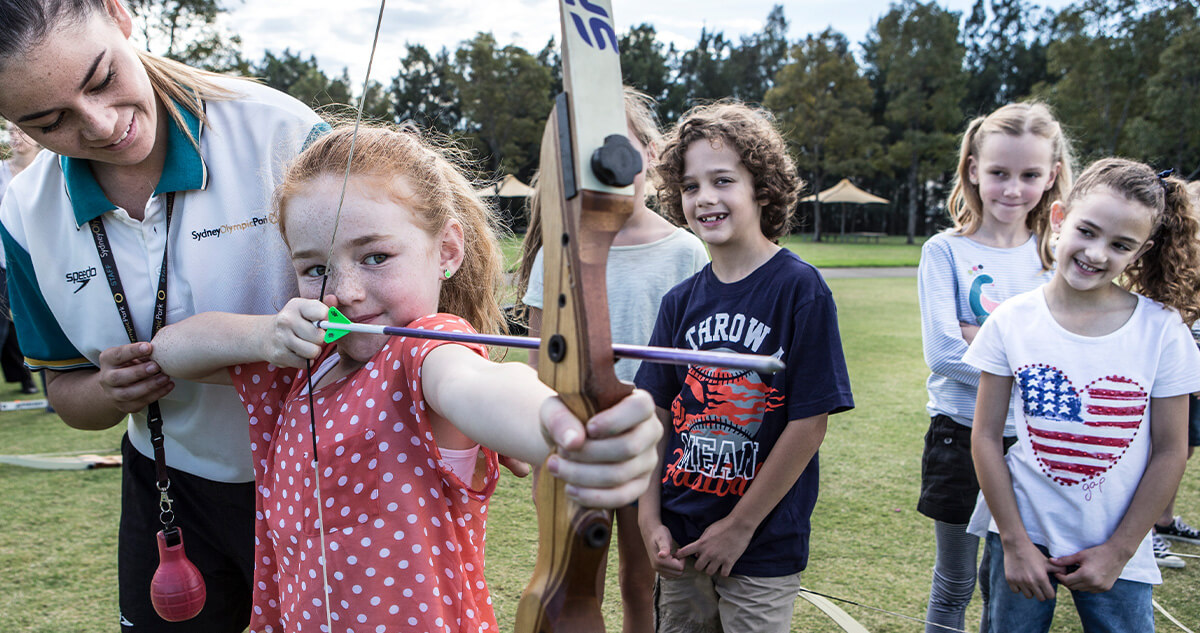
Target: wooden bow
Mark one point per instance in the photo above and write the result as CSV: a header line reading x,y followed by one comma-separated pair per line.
x,y
587,164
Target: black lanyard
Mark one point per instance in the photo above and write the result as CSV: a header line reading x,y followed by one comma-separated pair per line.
x,y
154,418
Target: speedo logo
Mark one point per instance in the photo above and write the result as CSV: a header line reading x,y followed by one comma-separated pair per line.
x,y
226,229
81,277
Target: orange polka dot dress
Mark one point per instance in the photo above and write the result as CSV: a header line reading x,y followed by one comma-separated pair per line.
x,y
404,535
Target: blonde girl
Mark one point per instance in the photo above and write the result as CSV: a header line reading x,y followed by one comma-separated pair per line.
x,y
1013,163
1102,364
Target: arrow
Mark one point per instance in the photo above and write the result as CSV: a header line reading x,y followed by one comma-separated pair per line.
x,y
338,326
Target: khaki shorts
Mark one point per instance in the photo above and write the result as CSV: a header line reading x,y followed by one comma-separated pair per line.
x,y
698,603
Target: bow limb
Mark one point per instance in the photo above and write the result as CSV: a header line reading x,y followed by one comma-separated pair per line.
x,y
834,612
586,169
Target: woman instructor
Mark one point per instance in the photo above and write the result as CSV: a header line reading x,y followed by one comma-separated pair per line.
x,y
152,165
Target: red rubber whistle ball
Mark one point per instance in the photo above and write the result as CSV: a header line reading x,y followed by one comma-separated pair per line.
x,y
177,589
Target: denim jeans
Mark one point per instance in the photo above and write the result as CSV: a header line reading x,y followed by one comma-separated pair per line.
x,y
1125,607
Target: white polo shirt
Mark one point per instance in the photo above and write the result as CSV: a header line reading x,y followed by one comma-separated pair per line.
x,y
226,254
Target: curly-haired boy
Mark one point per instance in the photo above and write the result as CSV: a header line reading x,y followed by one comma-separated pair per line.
x,y
728,528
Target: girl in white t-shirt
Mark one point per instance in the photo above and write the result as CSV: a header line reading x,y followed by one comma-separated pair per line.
x,y
1102,363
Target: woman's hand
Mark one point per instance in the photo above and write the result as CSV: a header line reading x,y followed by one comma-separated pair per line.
x,y
294,339
607,463
129,379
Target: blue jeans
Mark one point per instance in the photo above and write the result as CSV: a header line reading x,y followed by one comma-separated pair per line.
x,y
1125,607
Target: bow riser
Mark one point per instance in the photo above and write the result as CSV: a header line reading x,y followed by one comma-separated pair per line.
x,y
573,546
600,218
586,166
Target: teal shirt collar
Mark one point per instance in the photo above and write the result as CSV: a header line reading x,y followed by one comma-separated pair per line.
x,y
183,170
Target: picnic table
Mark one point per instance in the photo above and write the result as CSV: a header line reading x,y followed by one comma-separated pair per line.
x,y
859,236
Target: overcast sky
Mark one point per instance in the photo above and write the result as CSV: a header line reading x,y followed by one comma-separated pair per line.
x,y
339,32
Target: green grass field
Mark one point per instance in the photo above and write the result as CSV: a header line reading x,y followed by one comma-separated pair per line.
x,y
58,529
890,251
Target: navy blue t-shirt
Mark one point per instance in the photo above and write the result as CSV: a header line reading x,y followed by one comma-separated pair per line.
x,y
726,422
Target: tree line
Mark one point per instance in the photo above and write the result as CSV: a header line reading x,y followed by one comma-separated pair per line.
x,y
1122,75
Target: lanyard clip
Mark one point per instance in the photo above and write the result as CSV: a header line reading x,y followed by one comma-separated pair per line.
x,y
166,515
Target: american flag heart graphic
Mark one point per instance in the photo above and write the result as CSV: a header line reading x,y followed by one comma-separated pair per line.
x,y
1078,437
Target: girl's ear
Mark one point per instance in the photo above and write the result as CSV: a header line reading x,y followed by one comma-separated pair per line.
x,y
451,246
651,153
1058,213
120,16
1053,176
972,170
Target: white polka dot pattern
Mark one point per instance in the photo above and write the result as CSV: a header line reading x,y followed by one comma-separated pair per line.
x,y
404,536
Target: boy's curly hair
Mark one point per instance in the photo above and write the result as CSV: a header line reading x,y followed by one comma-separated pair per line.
x,y
750,132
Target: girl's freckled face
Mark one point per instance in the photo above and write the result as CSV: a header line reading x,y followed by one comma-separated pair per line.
x,y
384,269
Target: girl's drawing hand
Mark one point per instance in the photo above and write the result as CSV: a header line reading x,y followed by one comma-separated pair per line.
x,y
1093,570
294,339
719,547
661,549
130,380
606,465
1028,571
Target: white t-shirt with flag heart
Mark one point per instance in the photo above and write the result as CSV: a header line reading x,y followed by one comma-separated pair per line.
x,y
1083,417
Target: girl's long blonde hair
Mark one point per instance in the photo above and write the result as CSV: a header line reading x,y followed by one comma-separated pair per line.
x,y
432,169
1014,119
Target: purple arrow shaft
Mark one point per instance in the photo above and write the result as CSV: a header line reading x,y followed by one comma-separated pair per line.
x,y
665,355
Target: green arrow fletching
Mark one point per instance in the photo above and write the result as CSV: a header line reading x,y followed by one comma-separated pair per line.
x,y
333,333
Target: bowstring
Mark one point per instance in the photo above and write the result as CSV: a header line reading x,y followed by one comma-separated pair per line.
x,y
362,99
312,411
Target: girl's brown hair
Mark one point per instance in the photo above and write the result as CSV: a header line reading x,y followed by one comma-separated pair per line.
x,y
432,168
752,134
1169,272
1014,119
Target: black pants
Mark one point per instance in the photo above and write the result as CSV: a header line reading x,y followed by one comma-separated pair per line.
x,y
12,362
217,521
